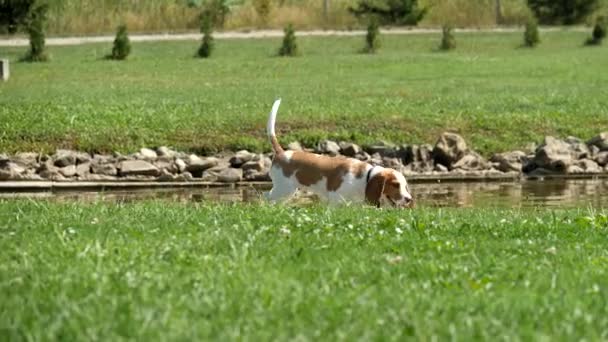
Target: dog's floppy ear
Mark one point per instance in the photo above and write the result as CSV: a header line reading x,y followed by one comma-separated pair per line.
x,y
374,189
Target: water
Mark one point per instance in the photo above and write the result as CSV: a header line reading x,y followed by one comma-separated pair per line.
x,y
524,194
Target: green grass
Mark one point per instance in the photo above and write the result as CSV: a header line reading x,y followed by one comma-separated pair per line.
x,y
497,95
170,271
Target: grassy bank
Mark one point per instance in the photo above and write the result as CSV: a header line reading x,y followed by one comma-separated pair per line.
x,y
163,271
498,96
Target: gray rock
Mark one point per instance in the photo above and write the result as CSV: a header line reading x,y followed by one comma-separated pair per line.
x,y
104,169
68,157
95,177
587,165
230,175
471,162
450,147
198,165
164,151
349,149
27,159
68,171
554,154
393,163
165,165
184,177
601,158
137,168
440,168
253,165
421,154
83,169
256,176
11,171
295,146
509,161
383,148
363,156
240,158
594,150
600,141
180,165
148,154
165,176
580,150
328,147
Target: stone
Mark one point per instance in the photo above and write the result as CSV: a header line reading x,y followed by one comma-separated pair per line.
x,y
588,166
180,165
383,148
10,170
164,151
27,159
600,141
4,69
349,149
328,147
253,165
83,169
240,158
471,162
393,163
104,169
416,153
440,168
580,150
601,158
256,176
184,177
450,147
509,161
295,146
363,156
165,176
68,157
137,168
68,171
554,154
148,154
196,164
165,165
230,175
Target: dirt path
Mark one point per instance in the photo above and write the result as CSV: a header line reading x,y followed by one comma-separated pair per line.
x,y
249,35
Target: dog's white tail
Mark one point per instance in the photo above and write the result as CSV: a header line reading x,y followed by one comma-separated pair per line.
x,y
272,118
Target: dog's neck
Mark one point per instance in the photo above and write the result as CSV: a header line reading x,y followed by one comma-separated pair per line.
x,y
372,171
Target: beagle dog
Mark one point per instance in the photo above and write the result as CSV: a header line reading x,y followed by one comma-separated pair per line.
x,y
335,179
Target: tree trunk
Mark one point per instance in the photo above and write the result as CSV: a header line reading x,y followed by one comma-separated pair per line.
x,y
498,13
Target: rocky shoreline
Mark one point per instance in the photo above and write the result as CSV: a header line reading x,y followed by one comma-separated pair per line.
x,y
450,157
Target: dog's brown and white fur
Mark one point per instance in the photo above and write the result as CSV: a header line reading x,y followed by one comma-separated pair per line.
x,y
336,179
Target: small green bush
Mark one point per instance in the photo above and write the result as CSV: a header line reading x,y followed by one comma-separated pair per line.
x,y
448,42
599,32
35,29
204,51
122,44
531,37
372,39
289,47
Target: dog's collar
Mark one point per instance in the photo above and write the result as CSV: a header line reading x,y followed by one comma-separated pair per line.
x,y
369,173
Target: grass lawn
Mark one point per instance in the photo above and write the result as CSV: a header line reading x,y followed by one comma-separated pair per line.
x,y
170,271
497,95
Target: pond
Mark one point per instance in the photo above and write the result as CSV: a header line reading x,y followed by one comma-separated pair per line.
x,y
560,193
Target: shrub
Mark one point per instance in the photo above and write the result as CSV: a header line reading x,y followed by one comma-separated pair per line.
x,y
599,32
204,51
35,29
289,47
390,12
531,38
448,42
372,39
562,12
122,45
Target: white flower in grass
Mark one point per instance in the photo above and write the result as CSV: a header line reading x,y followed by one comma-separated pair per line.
x,y
285,231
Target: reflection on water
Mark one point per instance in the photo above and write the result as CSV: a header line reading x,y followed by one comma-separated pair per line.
x,y
525,194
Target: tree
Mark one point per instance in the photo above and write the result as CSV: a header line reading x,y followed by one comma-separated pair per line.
x,y
562,12
448,42
35,22
14,14
531,38
289,46
122,44
372,39
390,12
204,51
